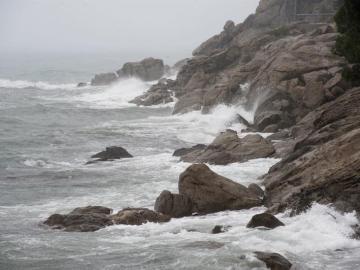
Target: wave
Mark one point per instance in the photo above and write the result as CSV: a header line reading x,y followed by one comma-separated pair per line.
x,y
21,84
116,95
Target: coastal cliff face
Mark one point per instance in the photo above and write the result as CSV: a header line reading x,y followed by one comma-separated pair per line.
x,y
275,62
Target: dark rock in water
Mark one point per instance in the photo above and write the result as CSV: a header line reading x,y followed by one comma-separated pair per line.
x,y
256,189
184,151
274,261
211,192
138,216
160,93
219,229
93,218
104,79
149,69
173,205
110,153
229,148
81,84
264,220
87,219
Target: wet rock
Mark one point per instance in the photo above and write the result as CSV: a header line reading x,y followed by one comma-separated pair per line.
x,y
180,64
81,84
229,148
219,229
274,261
257,190
264,220
138,216
184,151
110,153
104,79
211,192
87,219
160,93
149,69
173,205
93,218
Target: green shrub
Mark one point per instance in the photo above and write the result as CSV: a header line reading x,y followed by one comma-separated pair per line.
x,y
348,43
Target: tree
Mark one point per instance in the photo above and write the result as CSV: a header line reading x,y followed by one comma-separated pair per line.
x,y
348,43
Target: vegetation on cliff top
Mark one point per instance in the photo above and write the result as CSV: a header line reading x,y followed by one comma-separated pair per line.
x,y
348,43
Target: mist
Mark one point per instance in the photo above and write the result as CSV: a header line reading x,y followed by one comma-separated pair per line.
x,y
134,27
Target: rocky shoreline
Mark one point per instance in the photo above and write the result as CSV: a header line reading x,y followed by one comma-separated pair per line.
x,y
287,73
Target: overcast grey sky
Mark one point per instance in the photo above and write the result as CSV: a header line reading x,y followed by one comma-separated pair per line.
x,y
86,26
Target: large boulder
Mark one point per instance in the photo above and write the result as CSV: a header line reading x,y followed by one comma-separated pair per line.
x,y
173,205
110,153
324,164
211,192
138,216
149,69
266,220
274,261
229,148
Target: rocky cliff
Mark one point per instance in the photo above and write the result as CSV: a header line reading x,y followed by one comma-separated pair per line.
x,y
281,63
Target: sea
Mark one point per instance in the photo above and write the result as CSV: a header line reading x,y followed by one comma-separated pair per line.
x,y
49,128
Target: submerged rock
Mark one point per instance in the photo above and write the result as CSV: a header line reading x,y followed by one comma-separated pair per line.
x,y
173,205
274,261
229,148
264,220
211,192
138,216
110,153
81,84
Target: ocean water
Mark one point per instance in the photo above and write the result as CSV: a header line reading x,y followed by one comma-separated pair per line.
x,y
48,130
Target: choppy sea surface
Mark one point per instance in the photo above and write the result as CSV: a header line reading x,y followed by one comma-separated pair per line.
x,y
48,130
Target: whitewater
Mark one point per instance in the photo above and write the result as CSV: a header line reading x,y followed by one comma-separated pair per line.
x,y
49,131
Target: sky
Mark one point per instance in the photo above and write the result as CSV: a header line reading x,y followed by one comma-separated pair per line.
x,y
89,26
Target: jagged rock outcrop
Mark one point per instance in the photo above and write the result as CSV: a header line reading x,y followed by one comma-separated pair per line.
x,y
229,148
110,153
93,218
148,69
323,161
211,192
160,93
